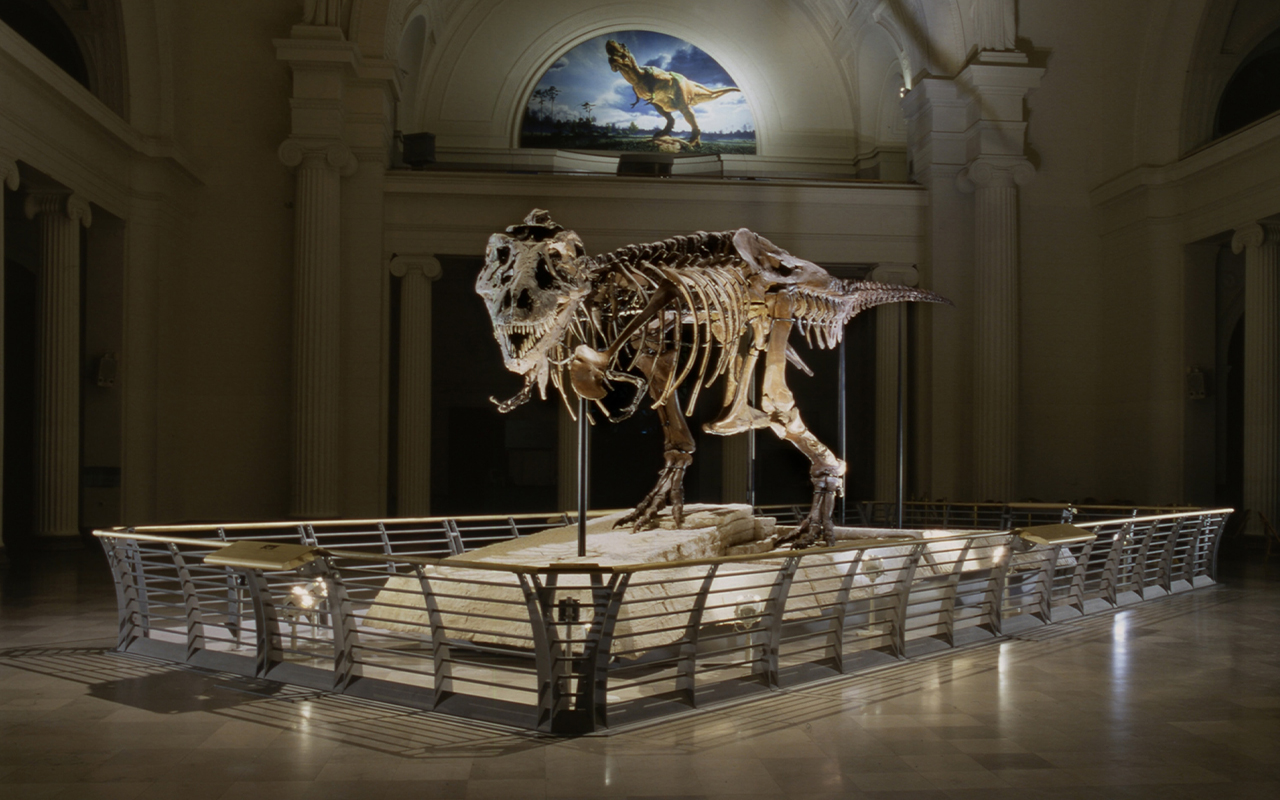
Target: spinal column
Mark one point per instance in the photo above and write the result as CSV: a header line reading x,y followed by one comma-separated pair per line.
x,y
1260,242
57,457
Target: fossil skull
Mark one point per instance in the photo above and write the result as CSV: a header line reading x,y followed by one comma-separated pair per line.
x,y
533,279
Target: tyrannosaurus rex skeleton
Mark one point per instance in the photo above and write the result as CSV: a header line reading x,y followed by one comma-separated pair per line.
x,y
665,91
679,312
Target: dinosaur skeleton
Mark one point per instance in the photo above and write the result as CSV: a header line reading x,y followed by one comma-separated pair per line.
x,y
682,312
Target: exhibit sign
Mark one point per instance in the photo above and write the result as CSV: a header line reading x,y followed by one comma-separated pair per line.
x,y
638,91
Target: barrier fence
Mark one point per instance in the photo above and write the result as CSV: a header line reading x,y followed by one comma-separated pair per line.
x,y
372,609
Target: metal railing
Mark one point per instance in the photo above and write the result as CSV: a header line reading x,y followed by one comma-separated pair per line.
x,y
578,647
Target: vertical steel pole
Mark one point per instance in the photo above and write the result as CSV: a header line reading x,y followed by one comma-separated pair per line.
x,y
754,402
902,354
843,432
584,475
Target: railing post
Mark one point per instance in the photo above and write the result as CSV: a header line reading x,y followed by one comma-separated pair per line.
x,y
1141,564
195,623
553,700
130,614
1075,592
948,608
133,555
266,622
686,667
1111,572
1165,573
840,613
442,659
386,548
766,663
454,536
1047,574
343,623
906,575
593,677
996,585
1188,566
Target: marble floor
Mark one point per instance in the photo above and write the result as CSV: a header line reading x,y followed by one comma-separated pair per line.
x,y
1177,698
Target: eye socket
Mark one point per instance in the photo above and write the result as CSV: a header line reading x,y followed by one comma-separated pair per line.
x,y
542,274
502,254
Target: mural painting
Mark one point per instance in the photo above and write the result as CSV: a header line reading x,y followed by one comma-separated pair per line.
x,y
638,91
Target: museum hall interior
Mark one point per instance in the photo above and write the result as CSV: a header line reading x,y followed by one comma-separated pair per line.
x,y
565,399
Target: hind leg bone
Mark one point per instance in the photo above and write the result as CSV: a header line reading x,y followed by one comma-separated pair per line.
x,y
826,470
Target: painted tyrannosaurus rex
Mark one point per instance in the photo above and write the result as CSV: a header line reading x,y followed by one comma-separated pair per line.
x,y
679,312
665,91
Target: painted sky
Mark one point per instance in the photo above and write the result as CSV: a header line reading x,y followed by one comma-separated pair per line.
x,y
583,75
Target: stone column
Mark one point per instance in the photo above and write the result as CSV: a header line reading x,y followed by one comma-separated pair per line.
x,y
9,178
1260,241
414,419
316,306
57,457
888,325
994,182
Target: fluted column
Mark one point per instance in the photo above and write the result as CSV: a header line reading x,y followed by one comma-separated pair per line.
x,y
316,322
57,457
1260,242
9,178
994,182
888,326
413,424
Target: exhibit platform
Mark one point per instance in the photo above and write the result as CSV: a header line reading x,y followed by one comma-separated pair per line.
x,y
409,612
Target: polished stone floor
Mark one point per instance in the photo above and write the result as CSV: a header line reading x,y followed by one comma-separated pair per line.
x,y
1176,698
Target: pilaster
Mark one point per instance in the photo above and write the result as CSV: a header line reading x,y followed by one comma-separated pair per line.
x,y
994,180
59,216
320,167
1260,242
8,178
413,425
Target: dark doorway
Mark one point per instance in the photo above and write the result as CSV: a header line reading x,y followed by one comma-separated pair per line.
x,y
483,462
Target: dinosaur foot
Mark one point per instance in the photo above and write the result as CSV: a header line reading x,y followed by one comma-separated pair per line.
x,y
817,524
746,419
669,491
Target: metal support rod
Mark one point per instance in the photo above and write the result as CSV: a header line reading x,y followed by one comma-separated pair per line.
x,y
754,401
842,430
584,475
902,370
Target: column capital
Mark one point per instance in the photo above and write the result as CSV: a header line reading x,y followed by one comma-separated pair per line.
x,y
1255,234
73,206
901,274
995,171
294,150
9,172
401,264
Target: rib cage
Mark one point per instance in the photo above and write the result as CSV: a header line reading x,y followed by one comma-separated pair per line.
x,y
716,296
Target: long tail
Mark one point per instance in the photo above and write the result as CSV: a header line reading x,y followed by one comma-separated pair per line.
x,y
821,316
702,94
